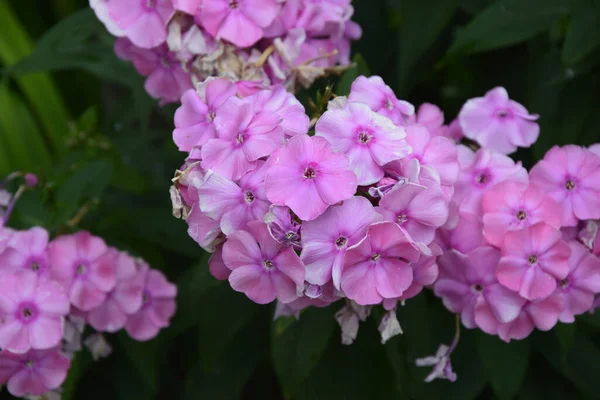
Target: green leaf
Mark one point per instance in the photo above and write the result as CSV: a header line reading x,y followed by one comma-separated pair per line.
x,y
505,363
299,348
505,23
144,357
39,89
583,35
566,337
415,37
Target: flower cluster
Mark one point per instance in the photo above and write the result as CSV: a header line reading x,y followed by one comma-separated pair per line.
x,y
306,216
49,290
177,43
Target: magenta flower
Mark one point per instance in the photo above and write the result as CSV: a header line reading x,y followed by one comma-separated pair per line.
x,y
33,373
571,176
533,258
239,21
235,205
307,176
84,266
217,267
124,299
31,312
294,120
510,206
243,136
582,284
194,120
417,209
481,170
369,140
26,250
262,269
378,267
144,22
326,239
158,306
467,285
380,98
498,123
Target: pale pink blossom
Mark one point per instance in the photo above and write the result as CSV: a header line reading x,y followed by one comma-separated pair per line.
x,y
533,258
144,22
498,123
100,7
510,206
369,140
31,312
432,118
26,250
326,239
466,236
262,268
380,98
571,176
294,120
307,176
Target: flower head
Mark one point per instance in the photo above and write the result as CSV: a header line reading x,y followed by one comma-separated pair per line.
x,y
26,250
380,98
498,123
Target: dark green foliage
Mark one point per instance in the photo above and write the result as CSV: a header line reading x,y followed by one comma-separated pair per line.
x,y
79,117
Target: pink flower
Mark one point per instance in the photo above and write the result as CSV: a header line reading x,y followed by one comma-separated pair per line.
x,y
466,236
582,284
217,267
307,176
571,176
294,120
84,266
239,21
282,226
498,123
595,148
510,206
243,136
33,373
124,299
194,120
203,230
100,7
532,259
480,171
467,284
380,98
31,312
326,239
417,209
158,306
262,269
378,267
26,250
369,140
144,22
432,118
235,205
188,6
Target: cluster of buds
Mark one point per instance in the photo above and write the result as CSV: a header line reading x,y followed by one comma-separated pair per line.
x,y
178,43
50,290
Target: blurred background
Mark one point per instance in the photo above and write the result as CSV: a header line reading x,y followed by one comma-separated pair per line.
x,y
73,113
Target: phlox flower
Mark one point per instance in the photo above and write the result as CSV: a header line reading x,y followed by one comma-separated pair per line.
x,y
425,273
533,258
582,284
467,235
498,123
31,312
240,22
307,176
326,239
234,205
442,368
84,266
432,118
100,7
595,148
144,22
216,265
262,269
467,285
124,299
417,209
510,205
282,226
571,176
294,120
243,136
380,98
194,120
378,267
158,305
33,373
480,171
26,250
202,229
191,7
369,140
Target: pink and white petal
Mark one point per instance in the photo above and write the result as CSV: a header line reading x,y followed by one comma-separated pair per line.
x,y
26,382
511,272
359,283
536,284
318,258
334,188
52,369
286,289
241,250
13,337
362,164
505,304
484,317
306,202
255,282
261,12
45,333
453,293
393,277
239,30
85,296
140,327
